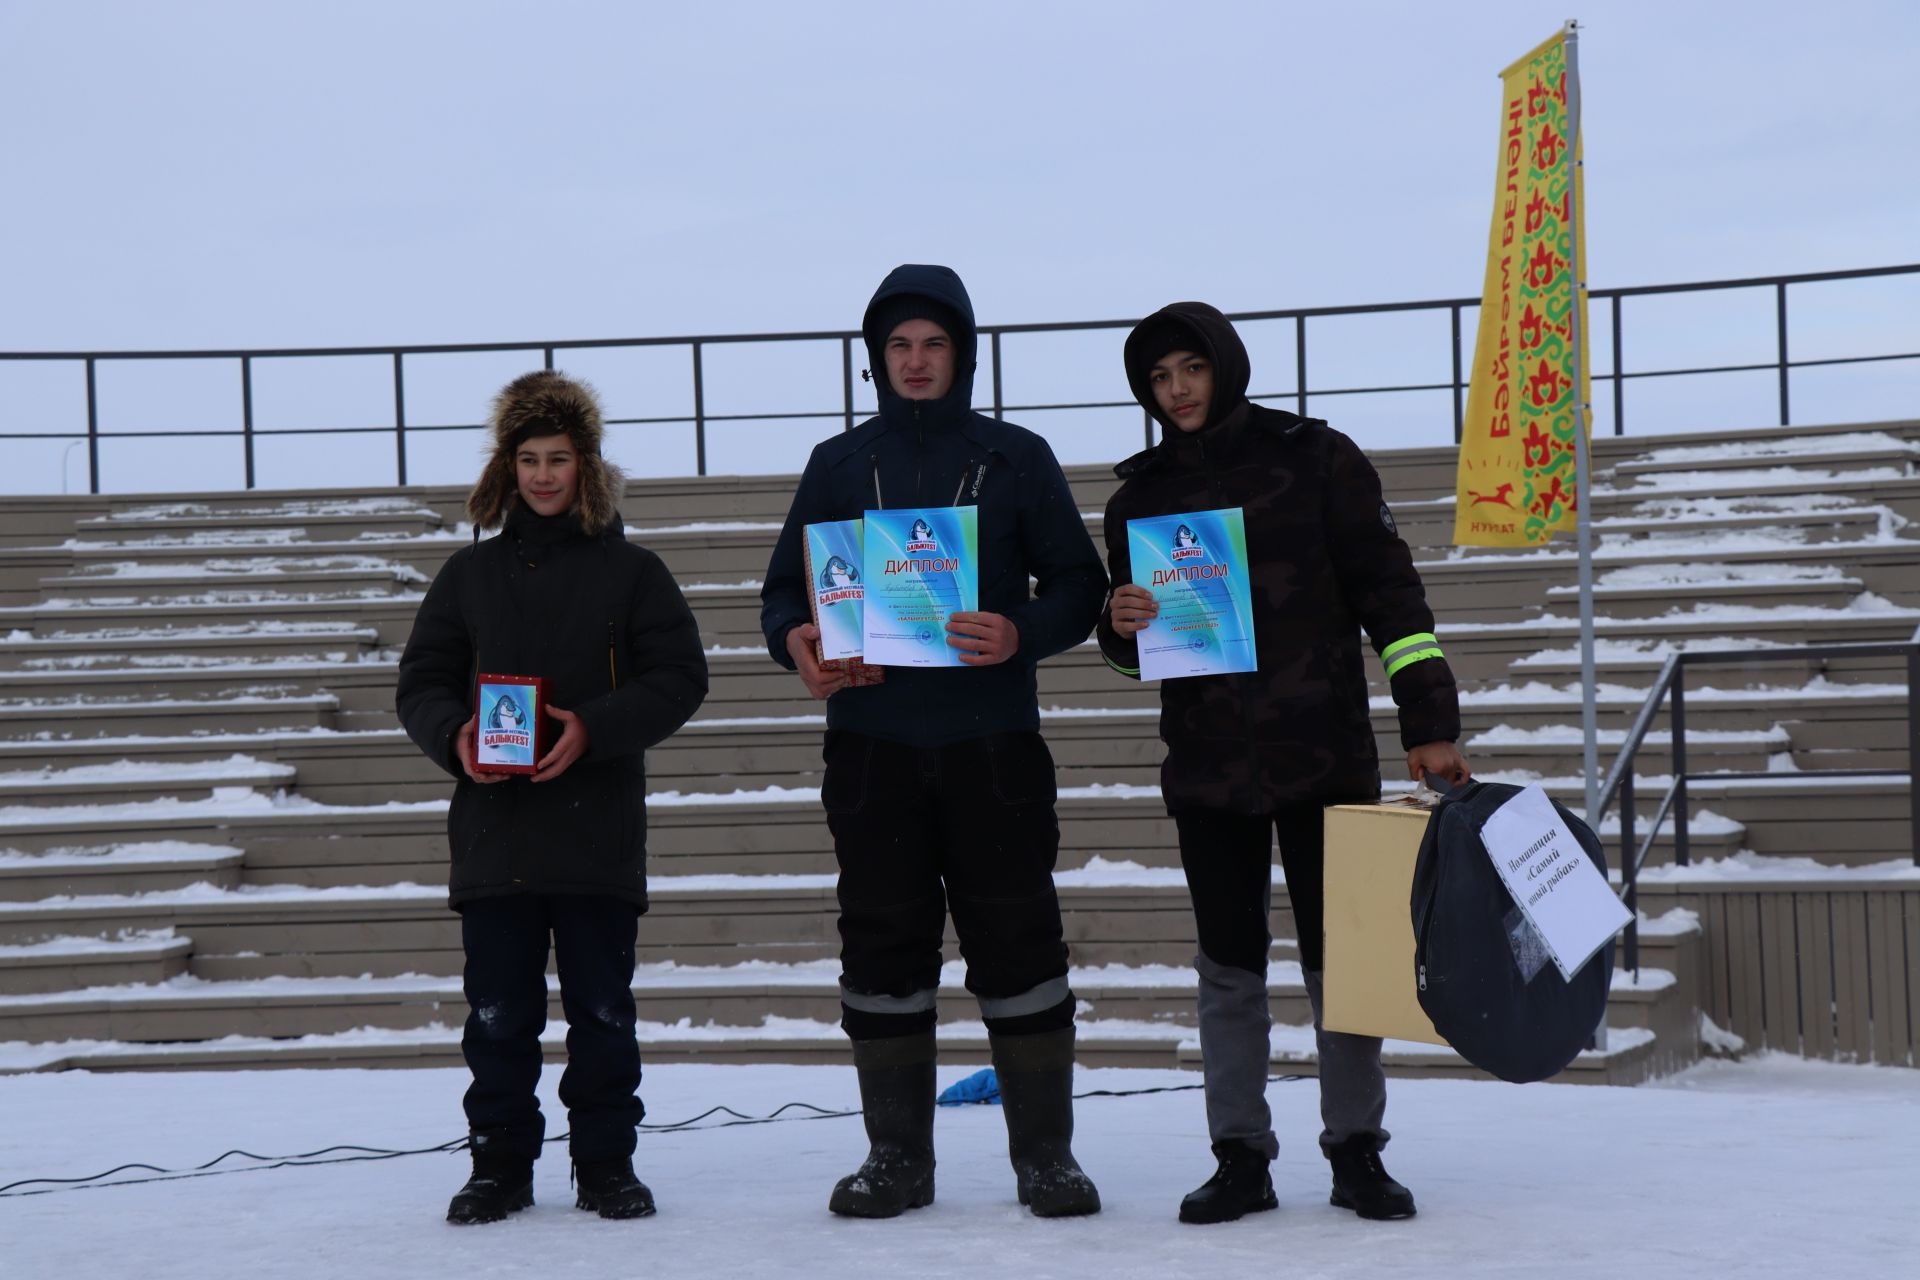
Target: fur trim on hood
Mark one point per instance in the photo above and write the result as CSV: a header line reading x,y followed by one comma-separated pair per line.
x,y
546,403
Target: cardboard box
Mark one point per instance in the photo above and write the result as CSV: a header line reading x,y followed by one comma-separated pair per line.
x,y
1369,975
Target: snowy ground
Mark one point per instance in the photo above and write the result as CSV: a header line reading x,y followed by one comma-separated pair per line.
x,y
1769,1167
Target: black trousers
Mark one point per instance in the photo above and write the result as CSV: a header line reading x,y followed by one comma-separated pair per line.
x,y
506,942
1228,858
918,832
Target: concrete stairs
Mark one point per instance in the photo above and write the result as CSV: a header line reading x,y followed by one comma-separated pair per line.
x,y
218,848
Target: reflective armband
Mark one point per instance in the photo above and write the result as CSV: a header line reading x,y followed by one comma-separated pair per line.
x,y
1403,653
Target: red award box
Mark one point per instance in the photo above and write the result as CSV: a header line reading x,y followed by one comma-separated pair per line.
x,y
512,734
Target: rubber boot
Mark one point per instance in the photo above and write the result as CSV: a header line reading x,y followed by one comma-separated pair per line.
x,y
610,1189
1036,1091
896,1100
1240,1186
500,1185
1361,1183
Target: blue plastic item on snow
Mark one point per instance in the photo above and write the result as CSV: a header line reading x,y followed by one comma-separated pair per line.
x,y
980,1088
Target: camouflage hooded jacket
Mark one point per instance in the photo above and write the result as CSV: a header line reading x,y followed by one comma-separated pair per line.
x,y
1325,561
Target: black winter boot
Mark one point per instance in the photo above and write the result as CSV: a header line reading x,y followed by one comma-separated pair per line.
x,y
1361,1183
1241,1185
896,1101
500,1185
1036,1092
609,1188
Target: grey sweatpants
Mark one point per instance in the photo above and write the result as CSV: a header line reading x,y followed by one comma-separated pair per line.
x,y
1228,860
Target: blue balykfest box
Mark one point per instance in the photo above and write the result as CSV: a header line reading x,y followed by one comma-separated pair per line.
x,y
512,734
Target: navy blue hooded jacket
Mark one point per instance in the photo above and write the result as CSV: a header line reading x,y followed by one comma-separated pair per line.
x,y
941,453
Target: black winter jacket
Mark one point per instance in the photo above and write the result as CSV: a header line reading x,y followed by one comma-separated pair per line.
x,y
1325,561
603,621
941,453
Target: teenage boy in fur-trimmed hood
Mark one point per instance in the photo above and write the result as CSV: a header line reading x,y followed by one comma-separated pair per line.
x,y
558,857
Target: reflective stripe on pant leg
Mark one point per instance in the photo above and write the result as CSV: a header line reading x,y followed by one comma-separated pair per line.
x,y
1037,999
1234,1054
913,1002
1353,1086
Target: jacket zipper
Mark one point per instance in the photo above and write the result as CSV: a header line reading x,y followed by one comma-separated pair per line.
x,y
1239,678
613,672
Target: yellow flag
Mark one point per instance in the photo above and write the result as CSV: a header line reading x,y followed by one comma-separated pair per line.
x,y
1516,479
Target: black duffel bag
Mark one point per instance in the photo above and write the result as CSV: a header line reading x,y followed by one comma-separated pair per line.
x,y
1485,977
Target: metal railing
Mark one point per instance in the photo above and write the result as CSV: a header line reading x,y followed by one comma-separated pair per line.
x,y
1672,685
991,335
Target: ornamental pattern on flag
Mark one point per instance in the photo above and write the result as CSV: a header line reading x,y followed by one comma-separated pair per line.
x,y
1516,479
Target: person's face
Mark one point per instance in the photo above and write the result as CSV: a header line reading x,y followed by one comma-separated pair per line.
x,y
1182,384
920,360
548,471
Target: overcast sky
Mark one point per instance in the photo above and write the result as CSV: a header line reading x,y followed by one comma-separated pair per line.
x,y
191,175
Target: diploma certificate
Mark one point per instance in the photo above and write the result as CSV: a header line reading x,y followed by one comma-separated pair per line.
x,y
1195,565
922,566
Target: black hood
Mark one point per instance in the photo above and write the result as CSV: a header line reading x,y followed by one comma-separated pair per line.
x,y
1232,370
942,285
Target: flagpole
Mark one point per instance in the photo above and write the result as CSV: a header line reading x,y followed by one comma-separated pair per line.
x,y
1583,492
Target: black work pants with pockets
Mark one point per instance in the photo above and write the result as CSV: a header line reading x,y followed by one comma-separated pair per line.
x,y
506,942
921,831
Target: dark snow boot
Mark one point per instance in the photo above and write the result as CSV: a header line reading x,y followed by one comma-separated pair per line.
x,y
1361,1183
500,1185
1240,1186
608,1188
896,1101
1036,1092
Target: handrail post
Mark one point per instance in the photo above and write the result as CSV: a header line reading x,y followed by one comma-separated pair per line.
x,y
846,380
547,361
1619,384
93,431
699,415
246,413
1300,362
1629,844
1678,726
1913,749
1780,311
999,402
1146,426
399,420
1459,406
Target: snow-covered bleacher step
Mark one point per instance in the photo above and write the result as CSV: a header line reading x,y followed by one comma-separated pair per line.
x,y
1620,659
341,577
1558,748
133,867
1838,451
315,640
27,712
123,782
133,960
297,516
389,614
357,682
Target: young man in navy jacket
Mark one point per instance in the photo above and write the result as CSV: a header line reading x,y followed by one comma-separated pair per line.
x,y
938,788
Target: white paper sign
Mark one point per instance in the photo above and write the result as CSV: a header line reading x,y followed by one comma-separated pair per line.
x,y
1564,896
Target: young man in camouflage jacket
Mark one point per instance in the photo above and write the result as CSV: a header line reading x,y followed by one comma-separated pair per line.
x,y
1256,755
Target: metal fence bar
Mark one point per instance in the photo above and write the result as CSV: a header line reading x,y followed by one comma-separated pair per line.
x,y
999,403
399,419
1619,399
1780,310
1300,360
1677,723
1459,386
846,380
246,414
699,414
93,430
